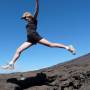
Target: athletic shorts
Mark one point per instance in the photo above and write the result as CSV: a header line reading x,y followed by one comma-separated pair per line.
x,y
34,38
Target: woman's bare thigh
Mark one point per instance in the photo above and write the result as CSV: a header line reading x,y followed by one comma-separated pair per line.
x,y
45,42
24,46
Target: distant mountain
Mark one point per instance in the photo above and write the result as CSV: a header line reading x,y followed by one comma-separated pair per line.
x,y
72,75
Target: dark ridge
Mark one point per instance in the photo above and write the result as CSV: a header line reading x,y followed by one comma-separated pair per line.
x,y
72,75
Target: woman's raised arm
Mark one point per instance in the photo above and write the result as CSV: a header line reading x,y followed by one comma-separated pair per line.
x,y
37,9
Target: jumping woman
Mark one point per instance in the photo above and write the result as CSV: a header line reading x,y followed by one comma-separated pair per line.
x,y
33,38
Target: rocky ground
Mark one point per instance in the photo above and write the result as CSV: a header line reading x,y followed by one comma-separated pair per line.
x,y
72,75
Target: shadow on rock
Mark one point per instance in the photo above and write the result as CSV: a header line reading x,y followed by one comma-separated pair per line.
x,y
38,80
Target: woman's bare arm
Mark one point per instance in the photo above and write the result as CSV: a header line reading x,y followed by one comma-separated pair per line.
x,y
37,9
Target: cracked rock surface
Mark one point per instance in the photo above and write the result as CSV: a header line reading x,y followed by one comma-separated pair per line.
x,y
72,75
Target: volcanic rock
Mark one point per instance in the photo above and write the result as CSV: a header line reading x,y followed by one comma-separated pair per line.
x,y
71,75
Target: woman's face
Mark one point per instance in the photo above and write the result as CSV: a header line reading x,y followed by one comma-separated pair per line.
x,y
28,18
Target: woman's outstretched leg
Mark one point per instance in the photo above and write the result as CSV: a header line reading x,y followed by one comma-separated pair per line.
x,y
58,45
24,46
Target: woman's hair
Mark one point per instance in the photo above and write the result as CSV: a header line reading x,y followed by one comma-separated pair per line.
x,y
26,14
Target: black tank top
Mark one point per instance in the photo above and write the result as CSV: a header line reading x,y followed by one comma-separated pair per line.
x,y
31,26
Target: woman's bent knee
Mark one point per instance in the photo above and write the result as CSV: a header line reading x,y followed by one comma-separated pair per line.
x,y
18,51
51,45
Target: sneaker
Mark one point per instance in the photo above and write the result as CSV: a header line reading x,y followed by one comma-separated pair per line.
x,y
8,66
72,49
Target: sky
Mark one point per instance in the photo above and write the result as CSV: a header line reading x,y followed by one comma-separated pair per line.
x,y
60,21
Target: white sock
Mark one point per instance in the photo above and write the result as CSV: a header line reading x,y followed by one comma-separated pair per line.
x,y
67,47
11,62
